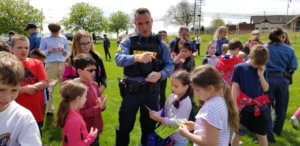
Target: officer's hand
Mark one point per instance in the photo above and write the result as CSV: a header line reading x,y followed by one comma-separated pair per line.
x,y
153,77
144,57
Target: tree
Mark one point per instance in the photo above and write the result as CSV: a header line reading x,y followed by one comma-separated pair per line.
x,y
16,14
215,23
84,16
119,21
182,13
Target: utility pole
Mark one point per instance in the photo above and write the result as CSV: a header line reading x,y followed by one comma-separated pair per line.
x,y
198,13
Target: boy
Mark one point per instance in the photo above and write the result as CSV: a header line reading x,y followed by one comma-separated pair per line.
x,y
18,126
94,105
187,63
226,63
31,94
248,88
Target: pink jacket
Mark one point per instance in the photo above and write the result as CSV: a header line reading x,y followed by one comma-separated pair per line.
x,y
74,132
69,73
91,112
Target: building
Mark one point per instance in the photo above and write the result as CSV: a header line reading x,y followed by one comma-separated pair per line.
x,y
266,23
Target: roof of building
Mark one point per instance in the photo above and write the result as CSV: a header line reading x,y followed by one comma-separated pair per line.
x,y
273,19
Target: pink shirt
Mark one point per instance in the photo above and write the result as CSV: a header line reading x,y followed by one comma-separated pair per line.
x,y
91,112
74,132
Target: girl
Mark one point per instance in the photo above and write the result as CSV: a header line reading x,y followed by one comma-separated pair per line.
x,y
211,58
295,117
220,37
218,113
83,43
178,105
68,117
175,54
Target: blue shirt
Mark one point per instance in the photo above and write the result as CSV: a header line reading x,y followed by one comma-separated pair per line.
x,y
247,78
282,58
219,44
124,59
56,42
34,40
173,42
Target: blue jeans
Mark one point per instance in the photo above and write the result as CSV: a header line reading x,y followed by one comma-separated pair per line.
x,y
182,142
279,97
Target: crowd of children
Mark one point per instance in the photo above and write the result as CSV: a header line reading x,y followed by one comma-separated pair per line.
x,y
232,83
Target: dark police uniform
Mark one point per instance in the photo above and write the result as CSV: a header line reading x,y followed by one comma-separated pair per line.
x,y
135,91
282,61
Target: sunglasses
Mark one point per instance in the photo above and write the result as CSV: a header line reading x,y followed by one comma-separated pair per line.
x,y
91,70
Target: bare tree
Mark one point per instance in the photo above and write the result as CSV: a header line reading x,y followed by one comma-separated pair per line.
x,y
181,14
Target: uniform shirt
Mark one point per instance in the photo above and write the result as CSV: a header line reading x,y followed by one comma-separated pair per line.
x,y
35,40
282,58
124,59
215,113
247,78
18,127
56,42
173,42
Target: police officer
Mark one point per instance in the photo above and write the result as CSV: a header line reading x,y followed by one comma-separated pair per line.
x,y
146,61
281,64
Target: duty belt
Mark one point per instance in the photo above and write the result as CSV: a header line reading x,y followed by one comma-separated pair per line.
x,y
140,86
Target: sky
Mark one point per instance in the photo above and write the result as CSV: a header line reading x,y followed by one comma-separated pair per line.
x,y
232,11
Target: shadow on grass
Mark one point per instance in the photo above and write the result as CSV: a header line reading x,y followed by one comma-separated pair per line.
x,y
51,134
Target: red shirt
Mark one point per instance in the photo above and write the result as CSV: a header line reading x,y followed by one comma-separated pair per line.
x,y
34,72
91,112
225,66
74,132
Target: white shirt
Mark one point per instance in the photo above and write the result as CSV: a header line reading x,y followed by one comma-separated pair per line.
x,y
214,112
18,127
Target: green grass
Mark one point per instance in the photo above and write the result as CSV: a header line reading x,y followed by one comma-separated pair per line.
x,y
52,136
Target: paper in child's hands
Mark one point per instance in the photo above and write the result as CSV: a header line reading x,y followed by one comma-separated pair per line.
x,y
164,130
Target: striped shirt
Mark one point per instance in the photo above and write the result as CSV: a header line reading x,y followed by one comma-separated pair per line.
x,y
214,112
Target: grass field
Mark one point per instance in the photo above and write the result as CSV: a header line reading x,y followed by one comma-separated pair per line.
x,y
290,136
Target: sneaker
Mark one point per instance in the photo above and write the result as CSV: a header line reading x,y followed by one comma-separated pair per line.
x,y
294,121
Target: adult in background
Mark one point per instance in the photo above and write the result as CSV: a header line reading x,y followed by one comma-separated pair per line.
x,y
146,60
10,35
163,83
83,43
34,37
56,47
106,46
183,33
281,65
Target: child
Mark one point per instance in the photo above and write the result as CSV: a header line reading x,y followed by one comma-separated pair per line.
x,y
248,89
178,105
211,58
226,63
224,49
295,117
217,115
31,94
68,117
186,62
18,126
175,53
220,37
94,105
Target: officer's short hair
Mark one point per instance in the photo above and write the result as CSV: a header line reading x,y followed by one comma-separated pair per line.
x,y
82,61
141,11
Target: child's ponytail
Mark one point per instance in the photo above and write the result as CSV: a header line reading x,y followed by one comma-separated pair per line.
x,y
69,91
233,116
